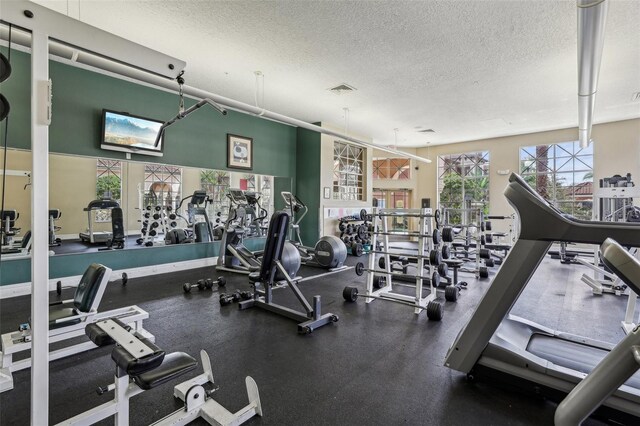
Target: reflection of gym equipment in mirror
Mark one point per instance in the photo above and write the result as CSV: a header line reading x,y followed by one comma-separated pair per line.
x,y
92,236
199,228
54,215
9,231
330,252
235,257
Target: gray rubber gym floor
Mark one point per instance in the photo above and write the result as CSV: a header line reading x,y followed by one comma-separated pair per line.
x,y
379,365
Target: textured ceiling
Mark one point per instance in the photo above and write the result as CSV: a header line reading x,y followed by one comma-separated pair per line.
x,y
467,69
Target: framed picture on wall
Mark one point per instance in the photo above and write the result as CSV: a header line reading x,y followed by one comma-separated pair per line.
x,y
239,152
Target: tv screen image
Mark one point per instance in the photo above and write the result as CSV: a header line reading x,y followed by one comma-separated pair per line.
x,y
130,133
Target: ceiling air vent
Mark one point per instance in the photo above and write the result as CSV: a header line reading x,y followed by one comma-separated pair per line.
x,y
342,88
636,97
426,131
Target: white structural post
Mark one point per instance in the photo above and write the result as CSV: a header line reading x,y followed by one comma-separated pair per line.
x,y
40,114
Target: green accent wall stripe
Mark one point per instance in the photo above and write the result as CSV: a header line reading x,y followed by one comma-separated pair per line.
x,y
199,140
308,183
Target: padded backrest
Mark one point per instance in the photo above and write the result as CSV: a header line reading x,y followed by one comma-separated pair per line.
x,y
276,237
622,263
117,224
91,286
55,214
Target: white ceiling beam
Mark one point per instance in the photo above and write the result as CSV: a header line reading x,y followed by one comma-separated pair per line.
x,y
69,31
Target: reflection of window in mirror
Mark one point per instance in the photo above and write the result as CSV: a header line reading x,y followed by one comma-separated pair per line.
x,y
108,185
162,185
216,183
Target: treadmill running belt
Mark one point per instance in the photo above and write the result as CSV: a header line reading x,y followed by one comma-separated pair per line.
x,y
573,355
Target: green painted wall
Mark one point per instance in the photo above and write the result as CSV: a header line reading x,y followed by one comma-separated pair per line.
x,y
197,141
308,183
200,140
19,271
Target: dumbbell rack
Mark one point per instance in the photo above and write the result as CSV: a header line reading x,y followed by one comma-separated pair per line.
x,y
474,236
356,231
156,221
383,289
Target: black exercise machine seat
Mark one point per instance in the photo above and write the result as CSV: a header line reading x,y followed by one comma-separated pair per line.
x,y
622,263
276,237
55,214
83,299
149,371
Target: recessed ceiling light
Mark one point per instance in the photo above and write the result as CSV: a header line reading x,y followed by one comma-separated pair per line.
x,y
426,131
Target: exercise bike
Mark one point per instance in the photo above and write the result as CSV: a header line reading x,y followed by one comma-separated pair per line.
x,y
329,252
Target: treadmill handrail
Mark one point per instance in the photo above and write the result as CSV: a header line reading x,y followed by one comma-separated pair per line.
x,y
540,221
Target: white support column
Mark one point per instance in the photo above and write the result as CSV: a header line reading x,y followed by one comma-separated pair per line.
x,y
39,228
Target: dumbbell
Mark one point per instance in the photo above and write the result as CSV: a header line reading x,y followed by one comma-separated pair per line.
x,y
158,208
172,216
169,208
236,296
148,207
147,215
202,284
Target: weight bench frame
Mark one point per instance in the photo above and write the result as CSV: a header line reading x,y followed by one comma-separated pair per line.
x,y
20,341
309,320
197,401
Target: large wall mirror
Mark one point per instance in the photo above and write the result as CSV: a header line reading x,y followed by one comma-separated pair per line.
x,y
155,200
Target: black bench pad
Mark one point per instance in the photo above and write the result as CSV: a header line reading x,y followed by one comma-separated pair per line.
x,y
174,365
453,262
60,312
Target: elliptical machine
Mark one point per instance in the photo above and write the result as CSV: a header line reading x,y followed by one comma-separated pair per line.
x,y
234,256
199,227
256,214
330,252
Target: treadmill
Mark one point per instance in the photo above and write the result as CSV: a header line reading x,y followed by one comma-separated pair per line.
x,y
97,237
502,345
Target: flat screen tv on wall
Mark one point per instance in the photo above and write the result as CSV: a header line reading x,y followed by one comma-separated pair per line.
x,y
129,133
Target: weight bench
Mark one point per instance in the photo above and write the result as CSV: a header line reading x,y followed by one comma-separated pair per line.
x,y
141,365
67,320
263,298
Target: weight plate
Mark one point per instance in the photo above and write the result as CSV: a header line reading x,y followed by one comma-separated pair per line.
x,y
446,252
443,270
436,236
447,234
363,214
434,258
360,268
